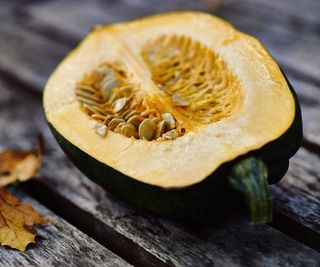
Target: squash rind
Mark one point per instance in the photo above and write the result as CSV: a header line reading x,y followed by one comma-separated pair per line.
x,y
251,128
197,203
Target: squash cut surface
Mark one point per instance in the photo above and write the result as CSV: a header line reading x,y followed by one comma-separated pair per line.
x,y
168,99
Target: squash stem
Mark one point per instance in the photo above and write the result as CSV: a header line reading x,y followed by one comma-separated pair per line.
x,y
250,177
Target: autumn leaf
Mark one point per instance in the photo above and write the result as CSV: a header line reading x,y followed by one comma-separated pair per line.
x,y
16,221
16,218
19,165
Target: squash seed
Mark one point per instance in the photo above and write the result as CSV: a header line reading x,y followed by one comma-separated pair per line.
x,y
107,84
155,120
88,101
129,130
147,129
98,117
173,134
84,87
110,117
114,123
101,129
111,99
131,114
161,127
126,88
135,120
124,113
119,126
93,109
119,104
147,113
85,94
169,119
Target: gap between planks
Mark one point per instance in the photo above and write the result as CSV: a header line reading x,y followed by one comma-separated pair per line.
x,y
58,244
126,248
295,230
238,14
101,232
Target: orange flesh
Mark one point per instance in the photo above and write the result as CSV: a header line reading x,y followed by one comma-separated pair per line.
x,y
195,87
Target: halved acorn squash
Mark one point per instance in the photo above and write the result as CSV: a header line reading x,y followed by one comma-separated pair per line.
x,y
170,111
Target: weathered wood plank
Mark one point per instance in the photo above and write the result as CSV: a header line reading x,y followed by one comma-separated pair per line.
x,y
27,56
291,40
297,196
92,198
230,244
296,50
58,244
89,13
8,6
295,11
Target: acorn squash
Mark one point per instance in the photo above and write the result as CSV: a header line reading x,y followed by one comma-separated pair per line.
x,y
171,111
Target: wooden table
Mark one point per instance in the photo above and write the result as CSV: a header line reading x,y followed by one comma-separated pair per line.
x,y
92,228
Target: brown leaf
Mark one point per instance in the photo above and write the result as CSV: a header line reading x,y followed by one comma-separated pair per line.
x,y
16,221
19,165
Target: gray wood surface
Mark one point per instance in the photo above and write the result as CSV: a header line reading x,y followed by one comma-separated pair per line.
x,y
27,56
58,244
303,12
294,49
122,226
282,35
39,34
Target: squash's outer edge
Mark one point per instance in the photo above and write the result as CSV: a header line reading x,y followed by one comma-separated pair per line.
x,y
166,181
197,202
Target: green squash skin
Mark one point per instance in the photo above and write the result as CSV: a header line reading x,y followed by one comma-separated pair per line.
x,y
197,203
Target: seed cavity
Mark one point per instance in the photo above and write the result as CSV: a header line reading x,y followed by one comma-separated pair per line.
x,y
198,81
179,101
196,85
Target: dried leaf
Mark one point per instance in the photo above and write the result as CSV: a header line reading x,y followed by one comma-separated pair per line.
x,y
19,165
16,221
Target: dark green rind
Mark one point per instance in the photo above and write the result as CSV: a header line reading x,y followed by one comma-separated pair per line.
x,y
195,203
200,202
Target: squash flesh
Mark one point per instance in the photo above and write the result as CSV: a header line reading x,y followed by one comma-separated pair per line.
x,y
267,107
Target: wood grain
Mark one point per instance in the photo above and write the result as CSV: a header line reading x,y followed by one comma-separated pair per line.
x,y
27,56
296,12
295,49
58,244
30,53
290,36
231,243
